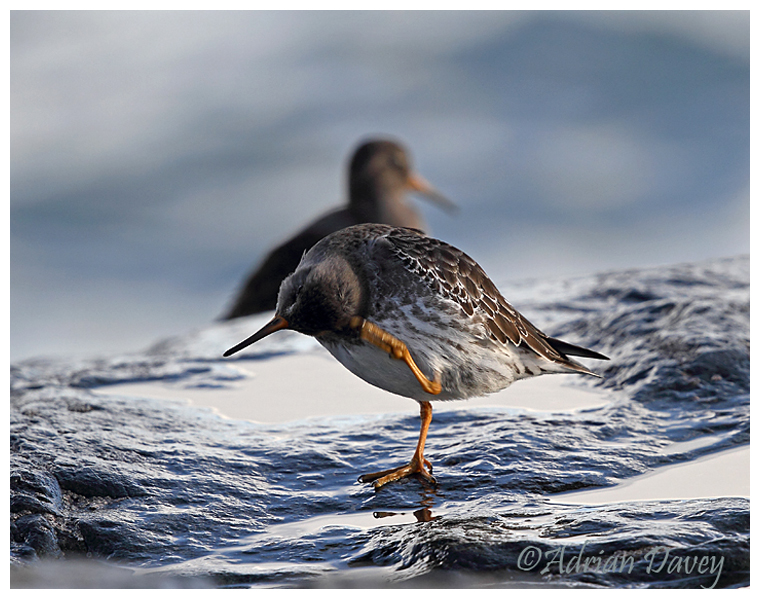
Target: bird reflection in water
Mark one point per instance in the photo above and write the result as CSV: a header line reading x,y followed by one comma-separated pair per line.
x,y
422,515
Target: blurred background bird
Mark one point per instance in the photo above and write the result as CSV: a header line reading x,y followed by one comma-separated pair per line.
x,y
380,178
139,138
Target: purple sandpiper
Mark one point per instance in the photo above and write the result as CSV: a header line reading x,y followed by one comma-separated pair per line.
x,y
370,291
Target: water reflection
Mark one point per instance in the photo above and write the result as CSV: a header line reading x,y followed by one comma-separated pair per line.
x,y
428,498
422,515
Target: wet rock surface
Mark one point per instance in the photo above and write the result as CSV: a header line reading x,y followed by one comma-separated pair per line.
x,y
166,494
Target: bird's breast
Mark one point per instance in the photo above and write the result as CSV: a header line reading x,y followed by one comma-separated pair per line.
x,y
378,368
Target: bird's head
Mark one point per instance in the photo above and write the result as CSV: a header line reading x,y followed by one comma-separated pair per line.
x,y
382,168
321,296
379,165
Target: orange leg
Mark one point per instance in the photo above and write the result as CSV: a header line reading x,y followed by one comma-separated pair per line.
x,y
418,465
396,348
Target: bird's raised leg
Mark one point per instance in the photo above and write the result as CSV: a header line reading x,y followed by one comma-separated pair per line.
x,y
396,348
418,465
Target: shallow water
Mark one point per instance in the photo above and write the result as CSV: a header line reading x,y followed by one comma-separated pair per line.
x,y
156,492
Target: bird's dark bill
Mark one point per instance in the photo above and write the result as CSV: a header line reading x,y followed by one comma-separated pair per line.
x,y
419,184
277,323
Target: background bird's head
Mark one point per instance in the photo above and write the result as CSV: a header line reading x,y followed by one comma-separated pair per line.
x,y
380,175
379,165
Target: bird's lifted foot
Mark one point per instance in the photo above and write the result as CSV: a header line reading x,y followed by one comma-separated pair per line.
x,y
378,479
396,348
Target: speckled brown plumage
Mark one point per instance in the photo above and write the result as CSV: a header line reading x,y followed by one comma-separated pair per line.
x,y
450,273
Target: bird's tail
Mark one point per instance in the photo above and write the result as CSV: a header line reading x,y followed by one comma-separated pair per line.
x,y
568,349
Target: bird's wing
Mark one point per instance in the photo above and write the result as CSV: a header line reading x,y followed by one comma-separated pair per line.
x,y
457,277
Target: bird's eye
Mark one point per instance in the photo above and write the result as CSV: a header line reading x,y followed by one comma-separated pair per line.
x,y
398,162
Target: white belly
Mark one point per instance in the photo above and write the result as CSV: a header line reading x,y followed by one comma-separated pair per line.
x,y
379,369
480,372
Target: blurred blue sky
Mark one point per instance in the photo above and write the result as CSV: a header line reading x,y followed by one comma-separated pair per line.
x,y
155,156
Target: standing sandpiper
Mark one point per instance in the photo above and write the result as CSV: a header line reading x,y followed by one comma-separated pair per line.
x,y
372,291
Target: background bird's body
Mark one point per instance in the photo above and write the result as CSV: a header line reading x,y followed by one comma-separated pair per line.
x,y
259,292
